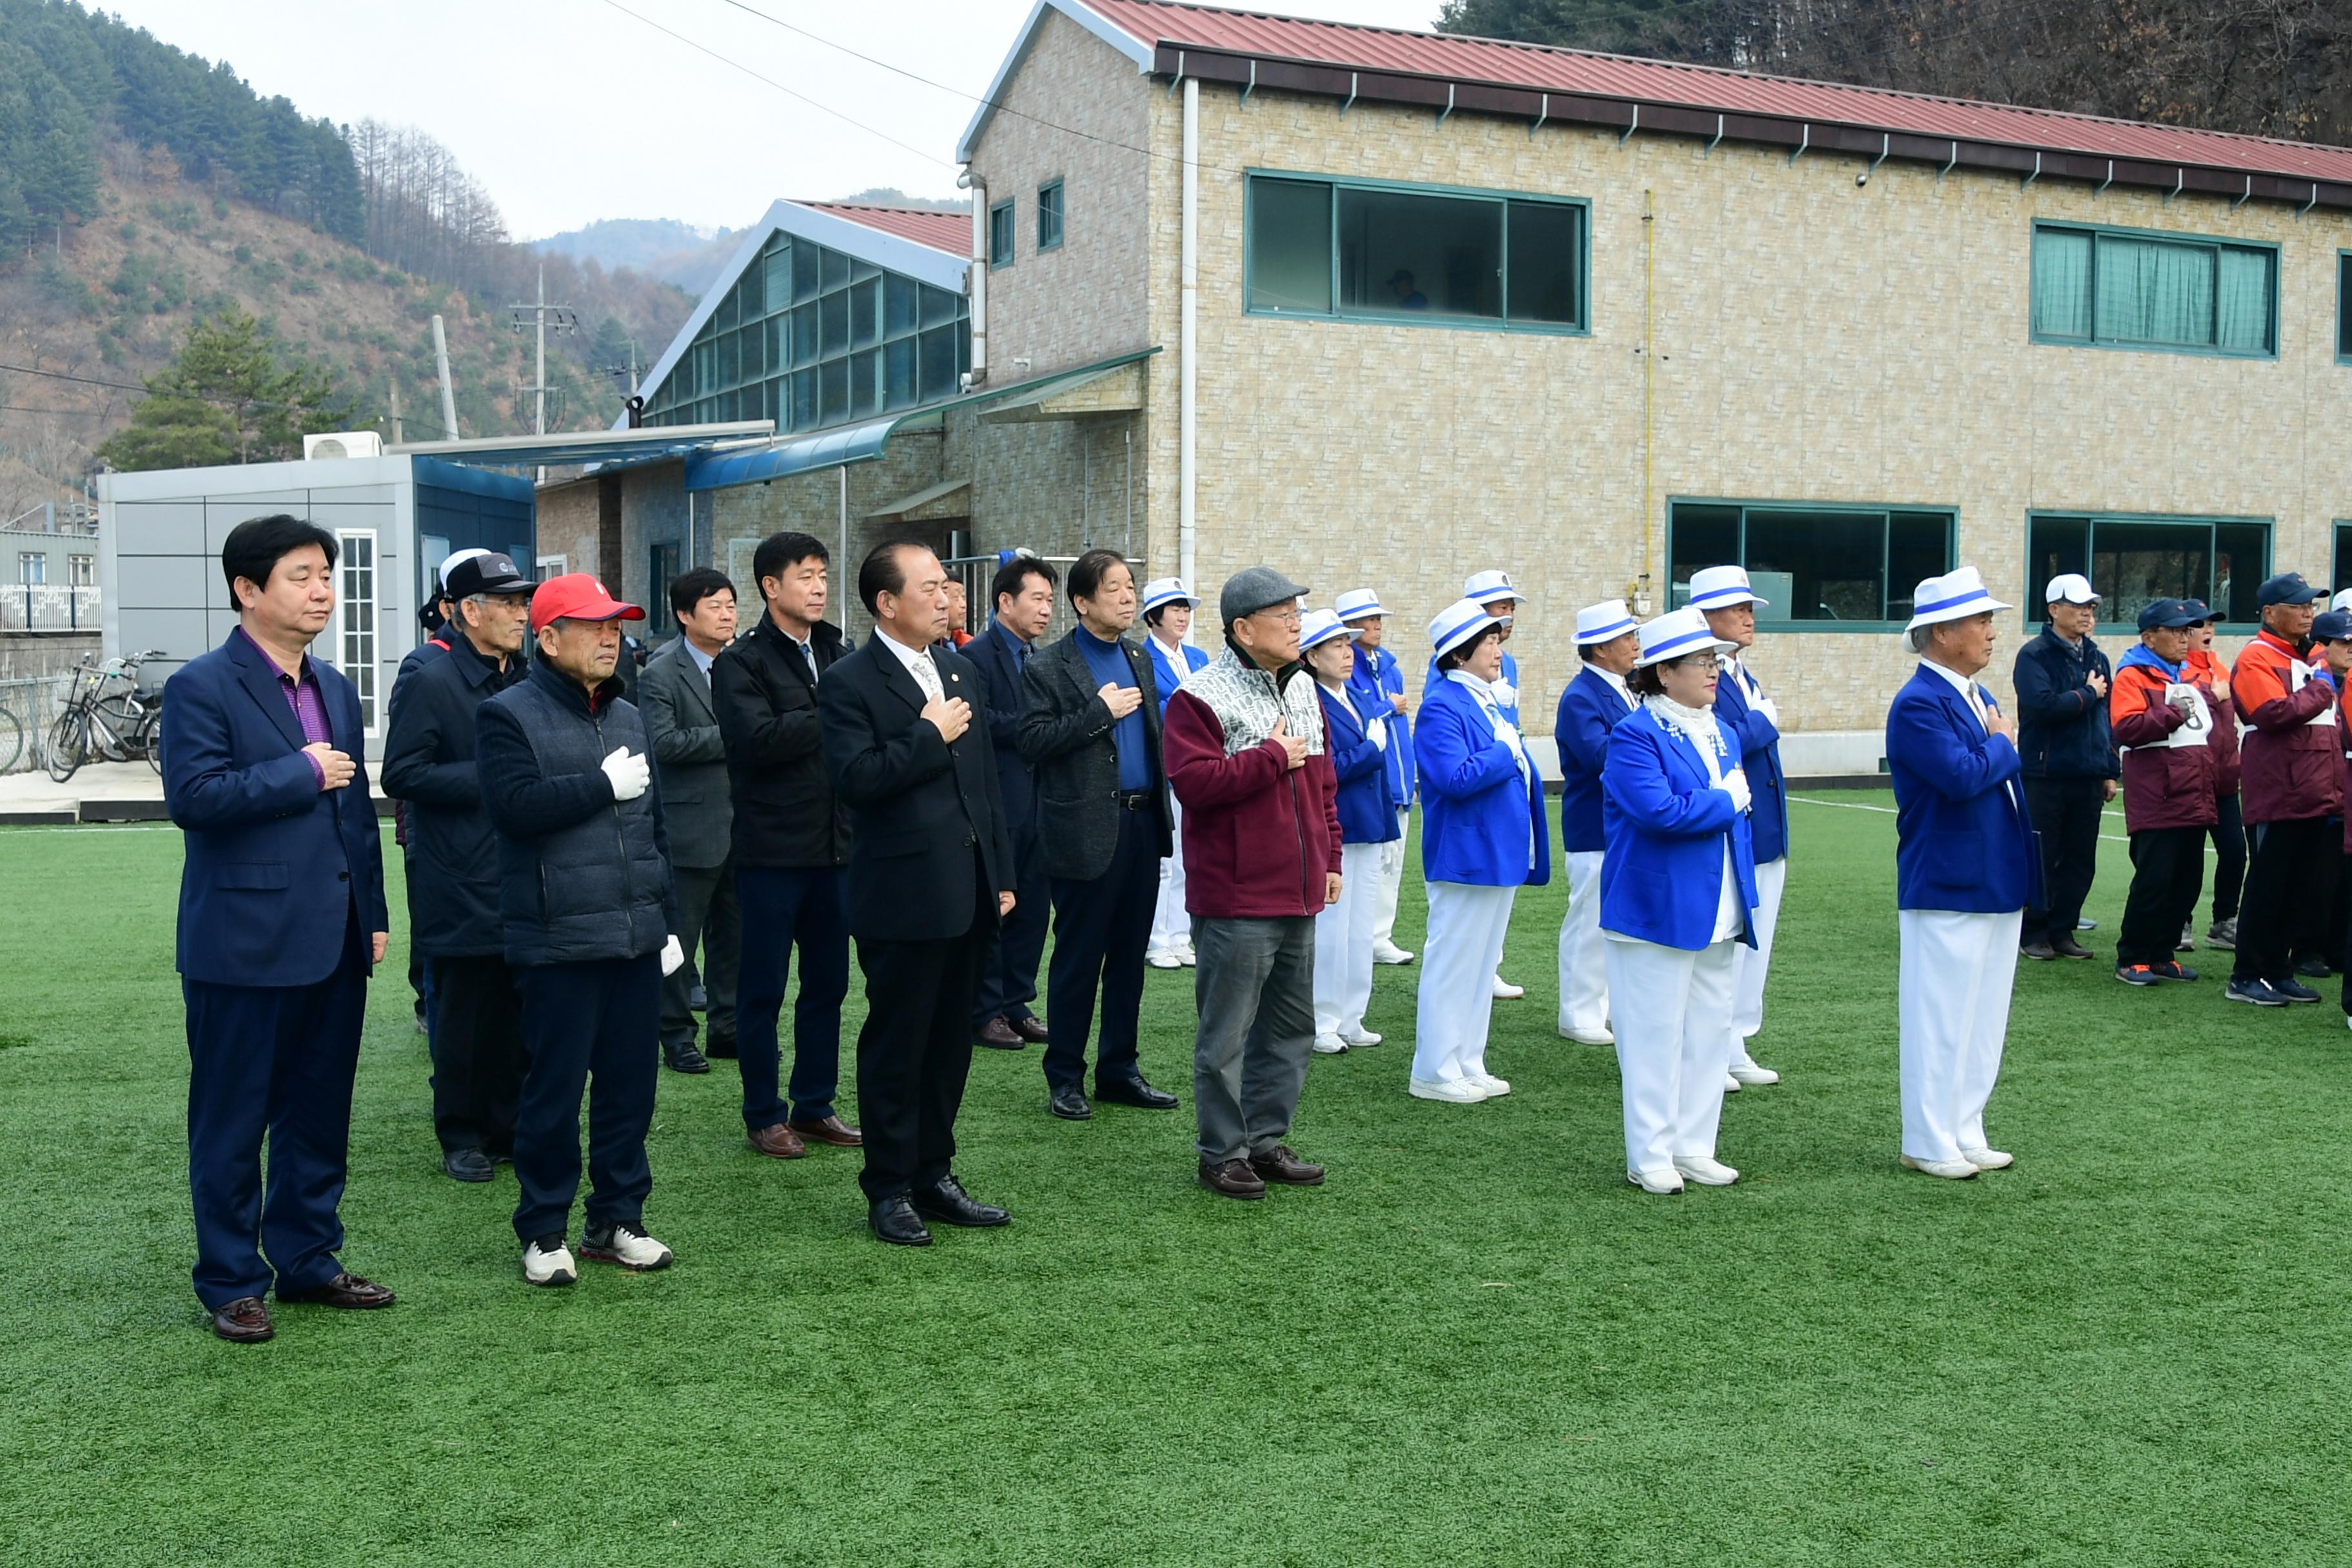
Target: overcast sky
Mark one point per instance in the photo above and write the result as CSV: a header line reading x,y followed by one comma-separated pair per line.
x,y
570,110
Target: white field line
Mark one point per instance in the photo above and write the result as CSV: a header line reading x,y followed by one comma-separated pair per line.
x,y
1889,811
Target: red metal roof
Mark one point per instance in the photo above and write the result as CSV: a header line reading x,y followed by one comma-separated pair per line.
x,y
1451,58
950,232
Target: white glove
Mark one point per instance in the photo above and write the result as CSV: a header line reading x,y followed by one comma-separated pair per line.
x,y
1770,709
1505,732
1735,784
2182,697
1506,696
673,957
1379,731
630,775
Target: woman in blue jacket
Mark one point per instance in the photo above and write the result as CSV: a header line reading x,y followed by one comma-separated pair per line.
x,y
1677,894
1357,744
1483,837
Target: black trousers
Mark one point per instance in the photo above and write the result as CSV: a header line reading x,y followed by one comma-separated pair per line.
x,y
2229,857
2280,855
915,1052
1008,976
2331,889
711,917
2065,813
2168,873
478,1054
601,1018
1100,930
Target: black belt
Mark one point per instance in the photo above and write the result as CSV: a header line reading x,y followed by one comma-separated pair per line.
x,y
1139,800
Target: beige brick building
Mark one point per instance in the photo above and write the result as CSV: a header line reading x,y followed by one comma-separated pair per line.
x,y
1656,317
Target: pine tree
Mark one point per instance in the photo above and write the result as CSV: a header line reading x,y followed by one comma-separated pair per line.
x,y
230,395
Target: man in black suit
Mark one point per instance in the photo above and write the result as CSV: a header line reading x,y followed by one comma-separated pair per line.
x,y
691,759
1024,592
930,876
1090,726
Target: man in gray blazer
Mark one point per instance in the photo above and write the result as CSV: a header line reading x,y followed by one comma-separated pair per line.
x,y
675,695
1090,728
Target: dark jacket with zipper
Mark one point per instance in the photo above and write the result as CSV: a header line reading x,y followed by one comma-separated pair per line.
x,y
429,764
2061,723
785,813
582,876
1066,736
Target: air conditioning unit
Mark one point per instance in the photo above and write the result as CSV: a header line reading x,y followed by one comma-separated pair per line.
x,y
343,444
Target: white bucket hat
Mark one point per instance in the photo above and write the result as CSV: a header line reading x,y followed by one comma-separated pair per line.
x,y
1720,587
1603,622
1457,624
1484,587
1676,633
1319,626
1167,591
1955,596
1357,605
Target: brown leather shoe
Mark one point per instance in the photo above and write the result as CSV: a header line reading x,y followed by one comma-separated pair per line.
x,y
244,1321
833,1130
1232,1178
777,1141
347,1292
1030,1029
997,1036
1279,1164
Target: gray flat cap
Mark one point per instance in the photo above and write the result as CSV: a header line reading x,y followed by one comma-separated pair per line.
x,y
1252,589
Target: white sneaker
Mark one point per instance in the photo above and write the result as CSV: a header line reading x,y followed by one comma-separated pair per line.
x,y
1754,1076
1949,1170
1988,1159
625,1244
1454,1091
1664,1183
1330,1045
1164,958
1589,1037
1706,1171
1507,992
1363,1037
543,1264
1495,1087
1390,952
1187,957
1730,1084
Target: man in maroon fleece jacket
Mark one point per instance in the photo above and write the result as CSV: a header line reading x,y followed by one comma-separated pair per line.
x,y
1243,740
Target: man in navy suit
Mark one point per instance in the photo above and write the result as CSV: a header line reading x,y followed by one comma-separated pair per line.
x,y
1590,707
1023,592
1966,867
282,919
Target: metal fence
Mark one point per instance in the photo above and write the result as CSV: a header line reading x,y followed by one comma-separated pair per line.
x,y
27,711
976,571
48,608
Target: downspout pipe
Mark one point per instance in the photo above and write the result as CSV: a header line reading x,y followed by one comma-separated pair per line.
x,y
1188,341
976,287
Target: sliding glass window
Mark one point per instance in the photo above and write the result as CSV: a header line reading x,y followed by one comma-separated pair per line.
x,y
2132,560
1360,251
1835,565
2177,293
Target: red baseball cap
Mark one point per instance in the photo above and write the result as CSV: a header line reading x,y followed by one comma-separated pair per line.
x,y
577,596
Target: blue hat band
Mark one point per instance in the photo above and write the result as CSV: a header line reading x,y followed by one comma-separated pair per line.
x,y
1671,643
1603,634
1716,597
1975,596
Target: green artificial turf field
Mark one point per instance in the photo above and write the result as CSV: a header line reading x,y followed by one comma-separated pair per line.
x,y
1475,1345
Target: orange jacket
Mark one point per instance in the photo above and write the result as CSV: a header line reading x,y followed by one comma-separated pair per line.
x,y
2292,771
2206,669
2165,785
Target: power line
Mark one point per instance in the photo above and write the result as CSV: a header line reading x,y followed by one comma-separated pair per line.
x,y
83,380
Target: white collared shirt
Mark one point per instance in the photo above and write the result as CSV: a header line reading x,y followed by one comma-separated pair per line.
x,y
1617,684
701,660
919,664
1965,687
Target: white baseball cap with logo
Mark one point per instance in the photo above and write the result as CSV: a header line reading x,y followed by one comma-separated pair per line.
x,y
2069,588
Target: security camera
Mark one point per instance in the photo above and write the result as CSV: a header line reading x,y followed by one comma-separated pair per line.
x,y
1862,178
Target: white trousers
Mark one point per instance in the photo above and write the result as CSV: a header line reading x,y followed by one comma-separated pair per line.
x,y
1172,926
1467,926
1384,902
1584,968
1343,944
1753,963
1956,971
1673,1020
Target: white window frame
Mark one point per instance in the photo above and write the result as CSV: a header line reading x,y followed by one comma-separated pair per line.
x,y
357,626
561,564
32,569
81,570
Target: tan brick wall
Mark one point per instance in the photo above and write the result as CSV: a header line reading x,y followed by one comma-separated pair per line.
x,y
567,523
1815,341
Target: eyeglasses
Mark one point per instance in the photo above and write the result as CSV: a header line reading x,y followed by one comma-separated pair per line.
x,y
1289,618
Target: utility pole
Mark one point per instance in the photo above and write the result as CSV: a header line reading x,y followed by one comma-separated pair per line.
x,y
395,407
448,398
541,315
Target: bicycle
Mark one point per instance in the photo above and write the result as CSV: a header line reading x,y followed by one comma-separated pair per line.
x,y
105,718
12,738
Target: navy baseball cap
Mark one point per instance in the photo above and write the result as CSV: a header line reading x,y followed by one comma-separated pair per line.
x,y
2287,588
2198,610
2172,613
2331,626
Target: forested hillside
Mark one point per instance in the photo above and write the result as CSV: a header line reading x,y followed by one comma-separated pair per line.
x,y
142,189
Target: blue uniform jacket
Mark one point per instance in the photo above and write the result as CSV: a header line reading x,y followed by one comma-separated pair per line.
x,y
1589,710
1475,812
1665,821
1366,809
1963,841
1164,671
1510,678
1759,740
272,860
1378,676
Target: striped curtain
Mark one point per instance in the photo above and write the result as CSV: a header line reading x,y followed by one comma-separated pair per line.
x,y
2062,284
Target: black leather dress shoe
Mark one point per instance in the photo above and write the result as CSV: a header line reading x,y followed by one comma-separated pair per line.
x,y
1030,1029
949,1204
894,1221
1070,1103
685,1059
2067,947
719,1047
2313,968
466,1165
1134,1092
244,1321
2041,951
348,1292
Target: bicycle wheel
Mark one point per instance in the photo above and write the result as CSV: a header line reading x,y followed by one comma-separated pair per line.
x,y
68,743
113,732
150,736
12,739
